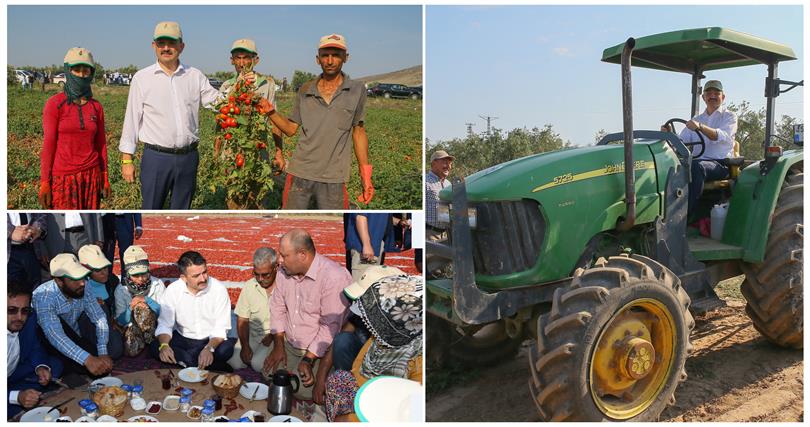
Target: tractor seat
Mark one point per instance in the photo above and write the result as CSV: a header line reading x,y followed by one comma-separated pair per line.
x,y
734,164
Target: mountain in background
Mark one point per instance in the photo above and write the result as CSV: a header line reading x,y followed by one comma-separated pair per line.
x,y
409,76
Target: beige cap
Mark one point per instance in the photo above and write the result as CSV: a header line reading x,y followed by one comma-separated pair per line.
x,y
67,265
369,277
79,55
333,40
168,30
136,260
244,44
441,154
91,256
713,84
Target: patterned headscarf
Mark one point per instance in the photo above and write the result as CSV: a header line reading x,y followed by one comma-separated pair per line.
x,y
392,309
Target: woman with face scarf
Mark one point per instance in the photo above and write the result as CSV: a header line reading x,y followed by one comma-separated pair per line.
x,y
73,164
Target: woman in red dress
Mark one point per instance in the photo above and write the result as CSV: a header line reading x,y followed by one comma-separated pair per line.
x,y
73,167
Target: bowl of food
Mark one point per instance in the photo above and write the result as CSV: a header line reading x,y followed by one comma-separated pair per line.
x,y
171,402
153,407
227,385
111,401
194,412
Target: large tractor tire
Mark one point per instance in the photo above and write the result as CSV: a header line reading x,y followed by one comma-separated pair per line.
x,y
486,346
774,288
614,344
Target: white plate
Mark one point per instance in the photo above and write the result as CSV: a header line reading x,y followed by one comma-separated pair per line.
x,y
284,419
192,375
85,419
248,389
142,417
171,398
38,414
106,419
389,399
108,381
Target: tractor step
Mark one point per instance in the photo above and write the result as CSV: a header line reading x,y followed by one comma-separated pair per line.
x,y
706,304
705,249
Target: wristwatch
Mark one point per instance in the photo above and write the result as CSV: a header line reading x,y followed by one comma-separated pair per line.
x,y
210,348
308,360
700,127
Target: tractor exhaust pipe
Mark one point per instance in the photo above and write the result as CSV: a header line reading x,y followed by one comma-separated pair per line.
x,y
627,116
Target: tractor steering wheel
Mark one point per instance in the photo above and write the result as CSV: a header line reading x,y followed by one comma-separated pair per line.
x,y
702,142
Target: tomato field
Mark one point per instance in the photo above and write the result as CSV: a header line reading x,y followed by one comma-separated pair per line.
x,y
394,128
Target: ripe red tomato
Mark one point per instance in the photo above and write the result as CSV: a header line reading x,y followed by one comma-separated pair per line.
x,y
240,160
224,110
236,110
261,146
228,136
231,99
231,122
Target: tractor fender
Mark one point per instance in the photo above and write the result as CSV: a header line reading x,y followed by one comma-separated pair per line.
x,y
752,205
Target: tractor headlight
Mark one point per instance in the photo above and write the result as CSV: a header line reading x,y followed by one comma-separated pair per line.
x,y
443,215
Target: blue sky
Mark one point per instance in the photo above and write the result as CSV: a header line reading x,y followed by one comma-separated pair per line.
x,y
381,38
536,65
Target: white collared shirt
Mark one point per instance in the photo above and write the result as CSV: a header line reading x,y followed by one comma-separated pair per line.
x,y
725,122
73,220
164,109
202,316
13,351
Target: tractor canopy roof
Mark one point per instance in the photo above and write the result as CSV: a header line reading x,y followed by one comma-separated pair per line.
x,y
701,49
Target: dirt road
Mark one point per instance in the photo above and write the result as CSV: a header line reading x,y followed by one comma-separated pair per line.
x,y
734,375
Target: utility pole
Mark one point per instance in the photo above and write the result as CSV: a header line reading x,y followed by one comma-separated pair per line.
x,y
489,120
469,130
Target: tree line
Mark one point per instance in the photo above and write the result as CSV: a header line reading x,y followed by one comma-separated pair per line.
x,y
480,151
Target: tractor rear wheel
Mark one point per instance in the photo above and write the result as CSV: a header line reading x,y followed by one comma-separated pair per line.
x,y
614,344
485,346
773,289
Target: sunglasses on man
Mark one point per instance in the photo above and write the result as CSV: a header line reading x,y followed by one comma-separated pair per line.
x,y
24,310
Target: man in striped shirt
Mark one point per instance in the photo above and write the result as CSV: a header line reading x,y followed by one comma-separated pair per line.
x,y
440,165
73,321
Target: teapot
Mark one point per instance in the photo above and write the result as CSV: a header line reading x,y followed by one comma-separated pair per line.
x,y
281,392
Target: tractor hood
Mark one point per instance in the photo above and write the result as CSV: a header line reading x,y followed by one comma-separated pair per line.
x,y
531,176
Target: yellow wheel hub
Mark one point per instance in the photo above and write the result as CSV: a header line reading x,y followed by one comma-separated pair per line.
x,y
632,359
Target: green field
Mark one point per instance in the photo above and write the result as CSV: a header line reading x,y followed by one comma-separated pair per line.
x,y
394,130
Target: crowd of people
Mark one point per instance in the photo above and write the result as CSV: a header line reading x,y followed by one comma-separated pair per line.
x,y
162,114
335,326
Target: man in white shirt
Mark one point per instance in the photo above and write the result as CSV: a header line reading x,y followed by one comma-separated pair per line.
x,y
719,127
163,113
30,368
195,316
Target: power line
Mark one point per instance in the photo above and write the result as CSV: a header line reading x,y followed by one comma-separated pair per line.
x,y
489,120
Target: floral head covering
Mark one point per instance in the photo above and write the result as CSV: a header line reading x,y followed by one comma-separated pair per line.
x,y
392,309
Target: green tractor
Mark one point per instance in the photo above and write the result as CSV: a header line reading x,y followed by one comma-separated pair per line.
x,y
593,258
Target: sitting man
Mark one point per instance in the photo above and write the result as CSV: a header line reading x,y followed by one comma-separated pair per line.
x,y
307,309
253,313
30,368
719,127
100,283
195,316
137,301
73,321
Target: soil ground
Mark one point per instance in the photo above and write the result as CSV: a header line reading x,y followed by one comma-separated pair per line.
x,y
734,375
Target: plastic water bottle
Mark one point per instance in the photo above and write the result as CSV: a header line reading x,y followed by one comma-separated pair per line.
x,y
719,213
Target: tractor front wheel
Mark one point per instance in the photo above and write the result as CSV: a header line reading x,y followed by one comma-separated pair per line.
x,y
614,344
774,289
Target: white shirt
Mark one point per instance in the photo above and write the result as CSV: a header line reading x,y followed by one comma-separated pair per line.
x,y
202,316
123,297
13,351
725,122
164,109
73,219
